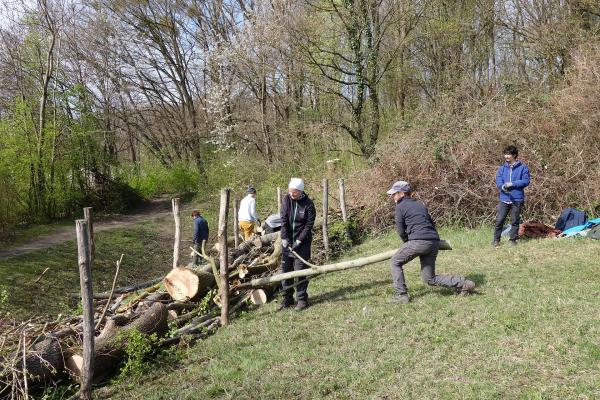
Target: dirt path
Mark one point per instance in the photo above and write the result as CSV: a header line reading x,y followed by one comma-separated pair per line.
x,y
153,210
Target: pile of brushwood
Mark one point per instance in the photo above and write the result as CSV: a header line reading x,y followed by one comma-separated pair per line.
x,y
183,304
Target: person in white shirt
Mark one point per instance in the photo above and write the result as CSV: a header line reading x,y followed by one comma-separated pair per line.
x,y
247,215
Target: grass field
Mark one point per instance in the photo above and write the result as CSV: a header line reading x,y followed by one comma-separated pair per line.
x,y
532,331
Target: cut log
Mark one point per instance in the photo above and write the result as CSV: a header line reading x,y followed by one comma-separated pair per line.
x,y
258,297
110,346
188,284
265,294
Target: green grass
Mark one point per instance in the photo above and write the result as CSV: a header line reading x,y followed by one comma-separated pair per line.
x,y
532,331
148,253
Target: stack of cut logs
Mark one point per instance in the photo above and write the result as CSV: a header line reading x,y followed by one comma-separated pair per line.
x,y
185,302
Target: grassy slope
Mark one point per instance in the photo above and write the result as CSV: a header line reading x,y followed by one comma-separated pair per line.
x,y
148,249
531,332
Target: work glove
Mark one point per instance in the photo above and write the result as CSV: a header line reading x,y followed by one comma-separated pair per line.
x,y
507,186
297,244
285,243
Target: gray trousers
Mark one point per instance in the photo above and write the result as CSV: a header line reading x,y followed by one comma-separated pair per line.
x,y
427,251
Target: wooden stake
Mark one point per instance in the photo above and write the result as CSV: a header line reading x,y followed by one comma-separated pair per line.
x,y
177,232
279,201
343,199
223,211
85,281
236,223
88,216
325,211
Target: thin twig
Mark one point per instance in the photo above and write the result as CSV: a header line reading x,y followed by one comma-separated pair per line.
x,y
111,293
41,275
313,266
25,366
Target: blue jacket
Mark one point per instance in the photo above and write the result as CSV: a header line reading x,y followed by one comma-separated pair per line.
x,y
200,229
518,174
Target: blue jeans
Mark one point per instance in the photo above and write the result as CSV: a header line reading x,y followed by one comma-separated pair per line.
x,y
515,219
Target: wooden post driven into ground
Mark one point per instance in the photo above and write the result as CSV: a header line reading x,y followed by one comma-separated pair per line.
x,y
223,211
236,223
177,232
85,281
88,216
325,211
279,201
343,199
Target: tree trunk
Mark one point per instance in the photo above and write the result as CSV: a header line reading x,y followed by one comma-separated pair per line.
x,y
110,347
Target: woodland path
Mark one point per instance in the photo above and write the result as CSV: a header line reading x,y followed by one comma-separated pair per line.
x,y
154,209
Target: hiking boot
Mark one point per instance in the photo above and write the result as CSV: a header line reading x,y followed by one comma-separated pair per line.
x,y
285,304
400,298
467,287
496,243
302,305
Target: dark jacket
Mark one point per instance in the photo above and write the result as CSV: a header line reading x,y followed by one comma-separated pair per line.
x,y
297,220
569,218
413,221
200,229
518,175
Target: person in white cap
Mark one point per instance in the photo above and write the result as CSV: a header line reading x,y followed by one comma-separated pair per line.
x,y
247,215
416,229
298,215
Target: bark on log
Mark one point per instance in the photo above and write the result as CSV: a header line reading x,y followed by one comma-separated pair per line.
x,y
188,284
323,269
44,361
110,347
271,263
260,241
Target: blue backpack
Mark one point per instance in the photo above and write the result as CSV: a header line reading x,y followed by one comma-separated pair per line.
x,y
569,218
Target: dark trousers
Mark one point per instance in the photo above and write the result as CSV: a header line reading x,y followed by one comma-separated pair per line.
x,y
289,264
196,257
427,251
503,209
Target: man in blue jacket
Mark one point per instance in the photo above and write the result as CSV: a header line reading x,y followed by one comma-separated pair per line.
x,y
200,233
416,229
511,179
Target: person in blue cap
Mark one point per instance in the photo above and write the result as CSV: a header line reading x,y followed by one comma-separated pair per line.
x,y
416,229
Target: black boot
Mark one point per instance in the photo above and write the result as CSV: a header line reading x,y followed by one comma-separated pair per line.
x,y
400,298
302,305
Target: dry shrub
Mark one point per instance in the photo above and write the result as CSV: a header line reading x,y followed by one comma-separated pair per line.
x,y
452,153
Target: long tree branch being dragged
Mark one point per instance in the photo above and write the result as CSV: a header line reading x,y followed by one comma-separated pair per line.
x,y
323,269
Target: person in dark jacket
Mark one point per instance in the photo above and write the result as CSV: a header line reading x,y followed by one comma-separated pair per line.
x,y
298,215
511,180
200,233
416,229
